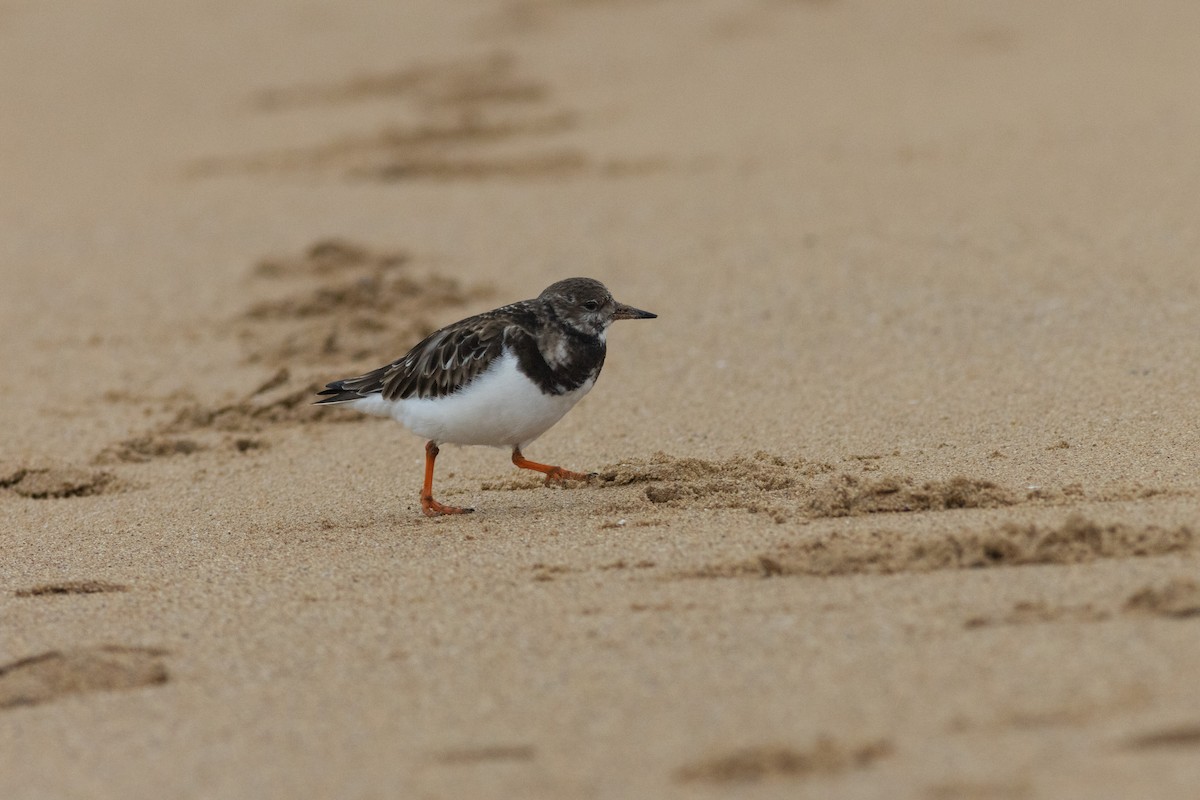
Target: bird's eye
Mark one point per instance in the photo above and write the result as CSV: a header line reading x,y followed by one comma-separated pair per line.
x,y
591,305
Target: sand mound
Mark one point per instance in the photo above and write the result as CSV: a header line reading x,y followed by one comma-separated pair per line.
x,y
783,488
848,495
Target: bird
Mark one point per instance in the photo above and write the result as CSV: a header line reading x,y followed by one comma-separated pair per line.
x,y
501,378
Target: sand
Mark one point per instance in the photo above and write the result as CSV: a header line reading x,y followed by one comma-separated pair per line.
x,y
896,498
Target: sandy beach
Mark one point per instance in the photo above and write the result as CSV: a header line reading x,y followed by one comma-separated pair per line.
x,y
898,497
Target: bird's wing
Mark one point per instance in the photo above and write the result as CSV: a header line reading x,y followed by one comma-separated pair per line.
x,y
441,364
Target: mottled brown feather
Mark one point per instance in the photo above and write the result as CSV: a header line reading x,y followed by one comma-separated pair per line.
x,y
556,337
441,364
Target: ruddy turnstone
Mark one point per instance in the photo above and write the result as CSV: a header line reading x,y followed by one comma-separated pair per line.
x,y
501,378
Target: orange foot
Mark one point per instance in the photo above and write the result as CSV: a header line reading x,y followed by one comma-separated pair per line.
x,y
558,475
553,474
432,508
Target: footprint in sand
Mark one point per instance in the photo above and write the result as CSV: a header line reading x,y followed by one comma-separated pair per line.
x,y
71,587
57,673
1184,736
44,483
752,764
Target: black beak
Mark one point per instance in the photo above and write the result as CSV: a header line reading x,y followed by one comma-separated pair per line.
x,y
629,312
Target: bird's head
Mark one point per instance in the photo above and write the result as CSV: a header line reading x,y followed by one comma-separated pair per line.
x,y
587,306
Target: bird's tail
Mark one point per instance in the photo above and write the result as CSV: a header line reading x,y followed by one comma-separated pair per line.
x,y
336,392
348,389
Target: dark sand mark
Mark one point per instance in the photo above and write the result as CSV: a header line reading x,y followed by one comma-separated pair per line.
x,y
621,563
147,447
430,141
441,153
826,757
547,572
326,257
564,163
55,674
473,119
1178,598
1032,613
476,755
1185,736
1072,714
353,304
1080,709
44,483
541,572
71,587
1077,540
467,83
382,290
253,412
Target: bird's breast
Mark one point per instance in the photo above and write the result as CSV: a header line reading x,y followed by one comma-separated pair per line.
x,y
502,407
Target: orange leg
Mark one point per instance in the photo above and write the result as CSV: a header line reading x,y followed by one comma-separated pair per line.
x,y
552,473
431,507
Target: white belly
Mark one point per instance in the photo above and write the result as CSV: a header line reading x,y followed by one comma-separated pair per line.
x,y
501,408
